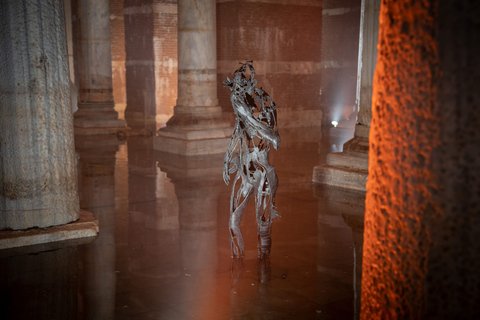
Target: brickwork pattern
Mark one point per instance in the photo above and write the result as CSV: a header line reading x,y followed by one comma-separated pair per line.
x,y
151,58
340,34
117,40
284,41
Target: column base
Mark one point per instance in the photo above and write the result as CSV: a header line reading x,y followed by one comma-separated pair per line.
x,y
101,131
347,169
191,143
85,227
97,119
340,177
194,131
139,121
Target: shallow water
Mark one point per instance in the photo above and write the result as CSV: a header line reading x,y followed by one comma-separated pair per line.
x,y
163,250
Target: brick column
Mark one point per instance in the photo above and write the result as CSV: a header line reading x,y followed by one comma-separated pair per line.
x,y
96,113
151,62
197,126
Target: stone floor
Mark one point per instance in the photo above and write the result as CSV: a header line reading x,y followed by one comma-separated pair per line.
x,y
163,250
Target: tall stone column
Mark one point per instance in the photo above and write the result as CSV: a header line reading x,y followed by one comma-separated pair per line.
x,y
422,222
349,168
197,126
68,27
37,160
96,113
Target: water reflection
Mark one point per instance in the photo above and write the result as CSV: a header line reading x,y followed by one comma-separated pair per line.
x,y
42,285
163,250
250,293
340,227
97,195
196,181
153,235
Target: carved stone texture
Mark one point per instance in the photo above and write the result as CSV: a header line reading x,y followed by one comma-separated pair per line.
x,y
38,185
422,222
247,155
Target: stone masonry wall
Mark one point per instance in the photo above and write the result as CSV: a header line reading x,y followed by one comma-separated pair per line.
x,y
117,40
284,40
338,68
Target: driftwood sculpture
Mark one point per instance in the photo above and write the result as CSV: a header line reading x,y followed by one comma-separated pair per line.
x,y
247,155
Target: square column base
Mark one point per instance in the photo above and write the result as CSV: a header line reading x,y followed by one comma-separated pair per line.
x,y
340,177
93,119
347,169
100,127
194,142
85,227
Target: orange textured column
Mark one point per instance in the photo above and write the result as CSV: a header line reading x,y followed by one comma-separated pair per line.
x,y
422,221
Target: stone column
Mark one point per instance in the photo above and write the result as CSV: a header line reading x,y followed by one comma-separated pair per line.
x,y
349,168
96,113
68,28
37,158
369,40
422,222
197,126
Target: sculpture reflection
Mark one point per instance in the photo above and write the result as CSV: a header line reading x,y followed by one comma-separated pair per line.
x,y
255,129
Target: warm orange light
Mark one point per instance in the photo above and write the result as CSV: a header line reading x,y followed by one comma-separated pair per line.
x,y
400,181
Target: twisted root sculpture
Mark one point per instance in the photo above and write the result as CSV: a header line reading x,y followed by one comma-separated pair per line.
x,y
247,155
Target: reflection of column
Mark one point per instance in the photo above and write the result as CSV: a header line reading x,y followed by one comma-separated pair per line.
x,y
334,242
197,126
37,159
153,243
197,181
422,222
341,208
68,27
92,52
40,285
97,193
355,221
349,168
